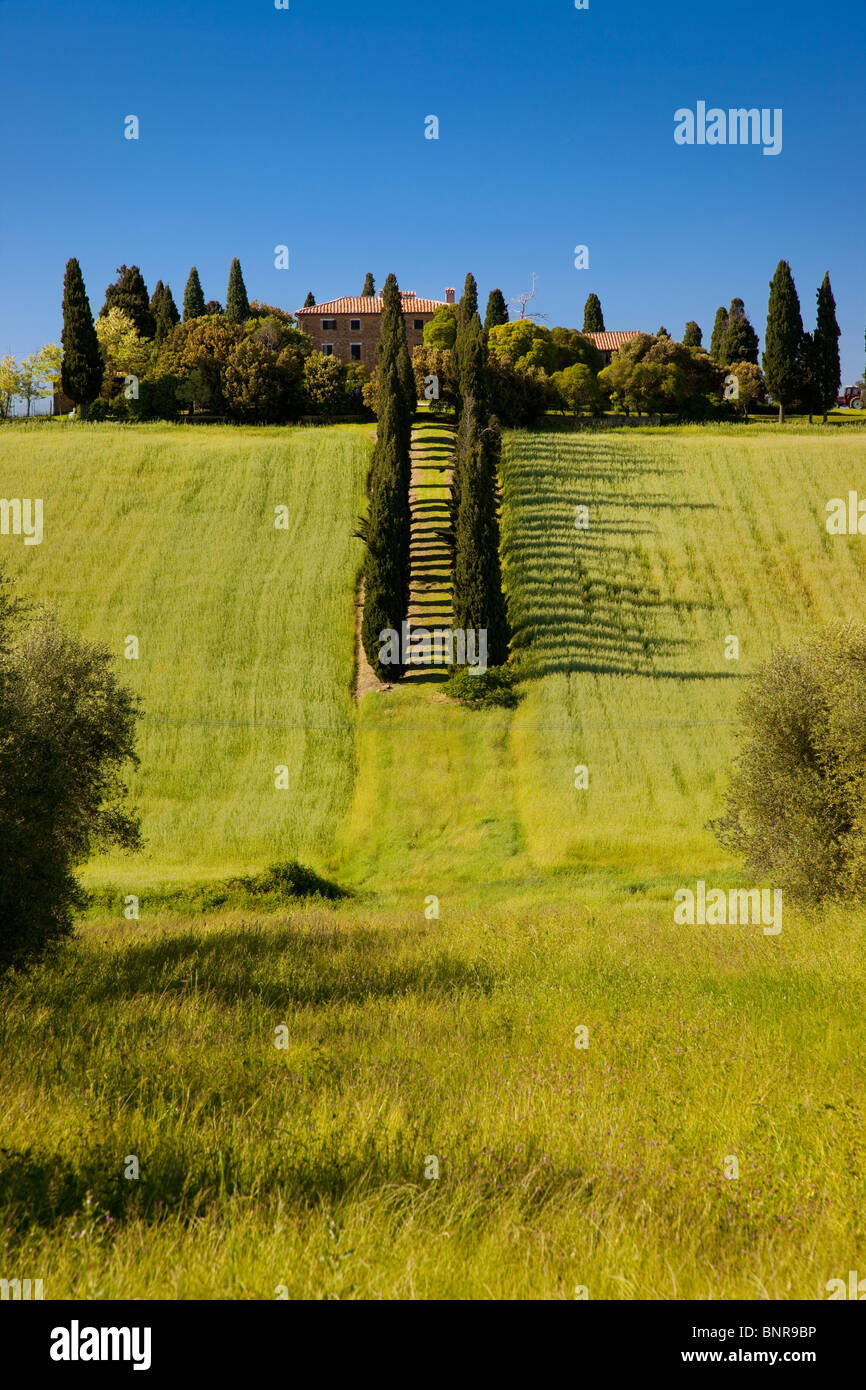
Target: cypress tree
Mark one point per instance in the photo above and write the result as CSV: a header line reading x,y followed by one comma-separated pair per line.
x,y
237,304
369,286
497,311
741,340
393,348
783,338
593,318
828,372
692,337
310,300
717,341
478,598
82,367
164,311
129,293
193,298
467,310
386,562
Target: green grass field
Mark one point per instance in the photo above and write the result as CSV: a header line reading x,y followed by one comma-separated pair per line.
x,y
409,1036
246,632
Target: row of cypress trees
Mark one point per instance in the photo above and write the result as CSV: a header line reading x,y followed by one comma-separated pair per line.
x,y
478,600
387,529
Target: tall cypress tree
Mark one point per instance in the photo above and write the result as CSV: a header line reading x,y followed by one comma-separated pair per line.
x,y
741,340
717,340
478,597
164,311
497,311
369,286
692,337
467,309
388,530
393,348
82,366
828,372
237,304
783,338
593,318
386,562
129,293
310,301
193,297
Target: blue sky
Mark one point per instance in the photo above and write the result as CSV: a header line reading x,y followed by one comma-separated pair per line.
x,y
305,127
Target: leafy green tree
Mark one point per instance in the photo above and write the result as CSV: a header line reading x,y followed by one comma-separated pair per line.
x,y
256,387
577,388
828,372
10,384
593,318
794,809
717,340
68,731
692,337
193,297
741,340
82,361
518,399
783,339
129,293
237,304
497,310
526,343
123,350
324,384
751,387
441,331
369,289
213,308
571,348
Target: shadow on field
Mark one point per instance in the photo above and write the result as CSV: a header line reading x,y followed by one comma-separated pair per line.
x,y
587,600
278,966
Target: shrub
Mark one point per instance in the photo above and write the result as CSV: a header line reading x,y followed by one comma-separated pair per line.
x,y
66,733
492,687
797,804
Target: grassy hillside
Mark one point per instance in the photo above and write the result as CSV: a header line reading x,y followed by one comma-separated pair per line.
x,y
246,632
693,536
412,1037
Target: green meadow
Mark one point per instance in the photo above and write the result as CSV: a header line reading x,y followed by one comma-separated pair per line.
x,y
433,1124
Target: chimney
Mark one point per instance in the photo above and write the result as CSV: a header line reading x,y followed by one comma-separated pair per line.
x,y
449,296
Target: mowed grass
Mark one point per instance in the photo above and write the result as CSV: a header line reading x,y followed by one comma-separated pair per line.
x,y
245,631
694,536
308,1168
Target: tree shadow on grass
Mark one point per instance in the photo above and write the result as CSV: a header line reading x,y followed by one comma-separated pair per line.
x,y
584,600
276,965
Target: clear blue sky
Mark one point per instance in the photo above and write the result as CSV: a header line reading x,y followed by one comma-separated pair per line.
x,y
306,127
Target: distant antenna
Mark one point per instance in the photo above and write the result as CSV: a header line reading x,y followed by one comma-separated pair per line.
x,y
526,298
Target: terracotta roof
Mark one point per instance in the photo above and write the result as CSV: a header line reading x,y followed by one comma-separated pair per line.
x,y
610,342
371,304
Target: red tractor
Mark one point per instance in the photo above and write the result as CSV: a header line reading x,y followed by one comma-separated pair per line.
x,y
851,397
